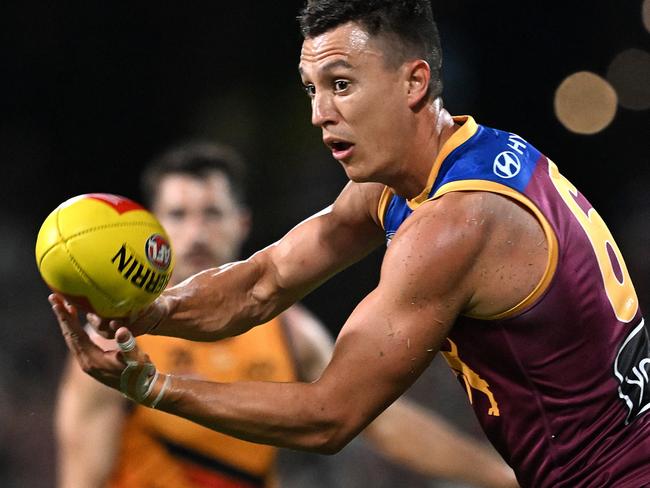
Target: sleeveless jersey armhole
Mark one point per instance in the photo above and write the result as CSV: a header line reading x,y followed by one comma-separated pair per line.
x,y
551,239
382,207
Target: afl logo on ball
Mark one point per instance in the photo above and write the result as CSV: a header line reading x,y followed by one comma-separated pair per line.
x,y
158,251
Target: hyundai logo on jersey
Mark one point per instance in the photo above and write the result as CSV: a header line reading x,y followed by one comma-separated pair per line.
x,y
506,165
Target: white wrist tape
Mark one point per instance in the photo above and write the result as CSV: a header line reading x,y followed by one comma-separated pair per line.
x,y
161,393
138,388
129,345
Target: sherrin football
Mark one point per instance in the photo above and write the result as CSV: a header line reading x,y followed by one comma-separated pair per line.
x,y
105,253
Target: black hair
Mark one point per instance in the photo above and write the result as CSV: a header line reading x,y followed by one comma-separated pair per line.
x,y
408,25
196,159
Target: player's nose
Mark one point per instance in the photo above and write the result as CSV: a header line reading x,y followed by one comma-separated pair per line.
x,y
196,230
323,111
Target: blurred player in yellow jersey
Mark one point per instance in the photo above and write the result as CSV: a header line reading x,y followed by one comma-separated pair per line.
x,y
197,193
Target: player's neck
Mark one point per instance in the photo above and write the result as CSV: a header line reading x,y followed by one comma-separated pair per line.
x,y
433,128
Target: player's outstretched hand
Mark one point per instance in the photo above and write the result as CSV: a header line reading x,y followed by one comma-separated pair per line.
x,y
143,322
104,366
127,369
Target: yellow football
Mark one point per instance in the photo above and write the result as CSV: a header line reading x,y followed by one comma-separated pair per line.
x,y
105,253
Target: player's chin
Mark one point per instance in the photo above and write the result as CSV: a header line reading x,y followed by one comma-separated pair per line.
x,y
357,174
353,172
357,170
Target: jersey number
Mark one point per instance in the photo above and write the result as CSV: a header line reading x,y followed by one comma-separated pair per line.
x,y
621,294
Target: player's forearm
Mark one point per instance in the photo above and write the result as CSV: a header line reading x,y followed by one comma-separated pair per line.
x,y
293,415
224,302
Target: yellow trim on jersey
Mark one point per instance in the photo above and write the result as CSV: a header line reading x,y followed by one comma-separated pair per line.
x,y
384,201
551,238
466,130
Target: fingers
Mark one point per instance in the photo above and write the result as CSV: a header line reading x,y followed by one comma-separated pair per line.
x,y
127,344
115,325
66,315
140,376
94,320
139,323
155,314
105,366
144,321
125,340
102,326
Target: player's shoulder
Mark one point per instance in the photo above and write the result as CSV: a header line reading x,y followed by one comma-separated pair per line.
x,y
456,224
472,209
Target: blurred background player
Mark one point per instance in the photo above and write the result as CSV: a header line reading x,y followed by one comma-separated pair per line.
x,y
197,193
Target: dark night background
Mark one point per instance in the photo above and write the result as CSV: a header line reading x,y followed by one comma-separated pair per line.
x,y
90,91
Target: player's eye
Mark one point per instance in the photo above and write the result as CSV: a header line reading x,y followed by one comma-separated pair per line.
x,y
176,214
341,85
310,90
213,213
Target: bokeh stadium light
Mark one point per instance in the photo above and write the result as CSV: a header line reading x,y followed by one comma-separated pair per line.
x,y
629,74
585,103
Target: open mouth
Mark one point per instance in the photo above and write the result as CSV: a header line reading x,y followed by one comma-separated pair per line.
x,y
340,149
340,146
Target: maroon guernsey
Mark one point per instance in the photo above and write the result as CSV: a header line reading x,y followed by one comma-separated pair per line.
x,y
560,383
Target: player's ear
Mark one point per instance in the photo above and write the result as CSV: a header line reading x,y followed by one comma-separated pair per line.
x,y
418,76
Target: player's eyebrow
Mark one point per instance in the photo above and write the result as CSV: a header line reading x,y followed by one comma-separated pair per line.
x,y
338,63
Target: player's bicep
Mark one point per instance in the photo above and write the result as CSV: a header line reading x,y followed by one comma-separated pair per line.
x,y
395,332
327,242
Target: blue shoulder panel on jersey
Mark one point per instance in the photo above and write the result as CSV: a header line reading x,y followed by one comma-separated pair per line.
x,y
491,155
396,213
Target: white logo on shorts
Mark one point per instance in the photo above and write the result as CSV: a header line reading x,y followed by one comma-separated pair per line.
x,y
632,369
506,165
